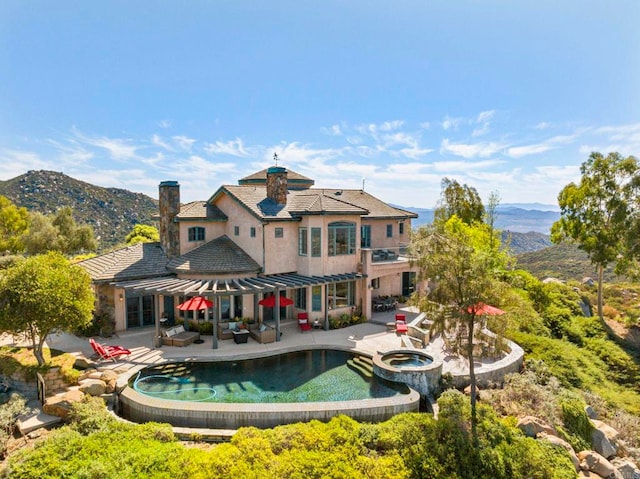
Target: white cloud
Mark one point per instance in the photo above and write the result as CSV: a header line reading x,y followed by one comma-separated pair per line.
x,y
17,162
232,147
333,130
184,142
450,123
164,124
482,149
486,116
544,146
425,125
118,148
543,125
484,120
159,141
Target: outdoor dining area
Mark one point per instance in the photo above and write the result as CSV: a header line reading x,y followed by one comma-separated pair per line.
x,y
384,303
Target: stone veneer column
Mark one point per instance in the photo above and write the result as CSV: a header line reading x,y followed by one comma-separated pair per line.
x,y
277,184
169,208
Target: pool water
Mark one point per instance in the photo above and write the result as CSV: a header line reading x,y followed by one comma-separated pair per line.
x,y
406,360
302,376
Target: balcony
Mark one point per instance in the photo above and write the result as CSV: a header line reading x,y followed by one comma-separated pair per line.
x,y
388,254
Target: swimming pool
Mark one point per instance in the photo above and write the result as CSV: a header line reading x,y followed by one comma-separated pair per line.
x,y
263,392
301,376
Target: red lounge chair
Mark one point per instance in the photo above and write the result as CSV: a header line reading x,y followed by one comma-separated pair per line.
x,y
401,324
109,353
303,322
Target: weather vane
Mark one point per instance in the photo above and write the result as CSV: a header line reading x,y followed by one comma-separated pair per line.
x,y
275,158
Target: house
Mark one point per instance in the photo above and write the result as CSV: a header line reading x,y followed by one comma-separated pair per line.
x,y
330,251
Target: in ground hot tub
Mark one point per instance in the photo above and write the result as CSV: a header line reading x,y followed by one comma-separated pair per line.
x,y
414,368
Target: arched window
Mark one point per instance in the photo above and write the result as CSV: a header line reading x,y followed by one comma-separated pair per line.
x,y
196,233
342,238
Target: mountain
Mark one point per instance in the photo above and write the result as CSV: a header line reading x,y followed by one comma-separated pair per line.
x,y
521,219
112,212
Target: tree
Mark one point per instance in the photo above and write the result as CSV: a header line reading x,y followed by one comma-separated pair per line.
x,y
460,200
595,214
461,275
143,234
58,233
13,224
42,294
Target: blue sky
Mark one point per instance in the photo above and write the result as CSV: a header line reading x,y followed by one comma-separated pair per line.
x,y
505,96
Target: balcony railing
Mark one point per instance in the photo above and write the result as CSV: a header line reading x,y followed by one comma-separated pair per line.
x,y
385,254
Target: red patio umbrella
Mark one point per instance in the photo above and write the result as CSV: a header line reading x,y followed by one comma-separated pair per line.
x,y
195,303
270,301
481,309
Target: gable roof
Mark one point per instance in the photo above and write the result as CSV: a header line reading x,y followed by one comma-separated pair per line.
x,y
218,256
142,260
201,210
311,201
295,181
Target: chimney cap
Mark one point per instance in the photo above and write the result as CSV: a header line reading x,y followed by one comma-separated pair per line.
x,y
276,169
169,183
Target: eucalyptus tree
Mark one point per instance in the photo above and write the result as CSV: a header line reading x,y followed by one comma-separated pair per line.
x,y
462,273
42,294
596,213
460,200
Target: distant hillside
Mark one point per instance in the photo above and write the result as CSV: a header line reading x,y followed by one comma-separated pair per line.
x,y
509,218
563,261
525,242
111,212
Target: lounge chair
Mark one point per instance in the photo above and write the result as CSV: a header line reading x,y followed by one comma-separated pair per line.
x,y
401,324
303,322
108,353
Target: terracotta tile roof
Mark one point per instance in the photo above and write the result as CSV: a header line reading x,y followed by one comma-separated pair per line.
x,y
219,256
294,180
143,260
313,201
201,210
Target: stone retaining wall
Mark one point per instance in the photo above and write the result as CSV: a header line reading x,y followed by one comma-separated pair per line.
x,y
54,383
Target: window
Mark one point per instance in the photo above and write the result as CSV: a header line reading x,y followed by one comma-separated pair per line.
x,y
279,232
303,242
341,294
316,242
401,228
365,236
342,238
236,230
196,233
316,298
375,283
252,231
389,231
300,298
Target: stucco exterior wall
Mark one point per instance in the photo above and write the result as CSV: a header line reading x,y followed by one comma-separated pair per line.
x,y
379,232
241,217
212,230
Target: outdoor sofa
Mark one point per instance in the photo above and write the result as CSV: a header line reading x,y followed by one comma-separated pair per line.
x,y
177,336
262,333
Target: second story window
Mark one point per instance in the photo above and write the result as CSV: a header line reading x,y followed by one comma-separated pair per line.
x,y
303,243
196,233
365,236
279,232
401,228
252,232
316,242
236,230
389,231
342,238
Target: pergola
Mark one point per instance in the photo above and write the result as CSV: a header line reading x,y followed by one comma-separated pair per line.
x,y
212,288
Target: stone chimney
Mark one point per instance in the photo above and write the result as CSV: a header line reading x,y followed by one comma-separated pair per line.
x,y
169,226
277,184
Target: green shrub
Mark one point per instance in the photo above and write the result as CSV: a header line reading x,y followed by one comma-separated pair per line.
x,y
89,416
577,426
